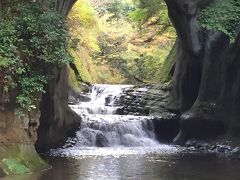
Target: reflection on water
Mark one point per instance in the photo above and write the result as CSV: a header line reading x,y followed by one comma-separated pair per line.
x,y
83,152
149,166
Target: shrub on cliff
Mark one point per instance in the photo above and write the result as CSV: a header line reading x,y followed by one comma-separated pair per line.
x,y
32,37
223,15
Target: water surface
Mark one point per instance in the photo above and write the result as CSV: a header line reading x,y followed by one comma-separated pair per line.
x,y
149,166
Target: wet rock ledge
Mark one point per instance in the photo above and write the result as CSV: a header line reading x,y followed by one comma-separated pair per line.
x,y
150,100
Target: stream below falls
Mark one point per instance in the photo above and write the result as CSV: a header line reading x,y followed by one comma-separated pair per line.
x,y
109,146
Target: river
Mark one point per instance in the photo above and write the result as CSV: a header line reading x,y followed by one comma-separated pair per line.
x,y
109,146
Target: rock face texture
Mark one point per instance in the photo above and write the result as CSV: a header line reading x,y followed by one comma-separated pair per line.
x,y
16,127
144,100
18,133
150,100
206,79
57,120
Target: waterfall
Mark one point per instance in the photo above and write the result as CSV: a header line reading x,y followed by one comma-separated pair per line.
x,y
102,127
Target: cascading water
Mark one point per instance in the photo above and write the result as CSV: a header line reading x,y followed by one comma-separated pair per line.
x,y
101,127
103,132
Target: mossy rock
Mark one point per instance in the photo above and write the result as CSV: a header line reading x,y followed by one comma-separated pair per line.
x,y
13,166
19,159
168,65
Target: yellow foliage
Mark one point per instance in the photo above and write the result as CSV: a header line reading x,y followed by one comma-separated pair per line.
x,y
106,43
83,25
84,13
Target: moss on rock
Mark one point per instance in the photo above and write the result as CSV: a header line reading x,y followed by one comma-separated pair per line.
x,y
19,159
168,66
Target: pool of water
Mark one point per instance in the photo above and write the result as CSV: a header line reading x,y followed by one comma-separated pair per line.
x,y
166,163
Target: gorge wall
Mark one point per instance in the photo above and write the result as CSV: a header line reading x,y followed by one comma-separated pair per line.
x,y
47,124
15,128
18,134
57,120
206,79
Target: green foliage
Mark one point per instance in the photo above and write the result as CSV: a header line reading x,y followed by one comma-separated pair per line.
x,y
30,89
118,8
146,67
37,37
150,14
147,9
139,15
222,16
42,34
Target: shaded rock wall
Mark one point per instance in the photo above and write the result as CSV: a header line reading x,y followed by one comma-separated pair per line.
x,y
57,120
206,79
18,134
16,127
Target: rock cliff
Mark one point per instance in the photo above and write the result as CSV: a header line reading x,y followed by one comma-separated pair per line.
x,y
206,79
57,120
